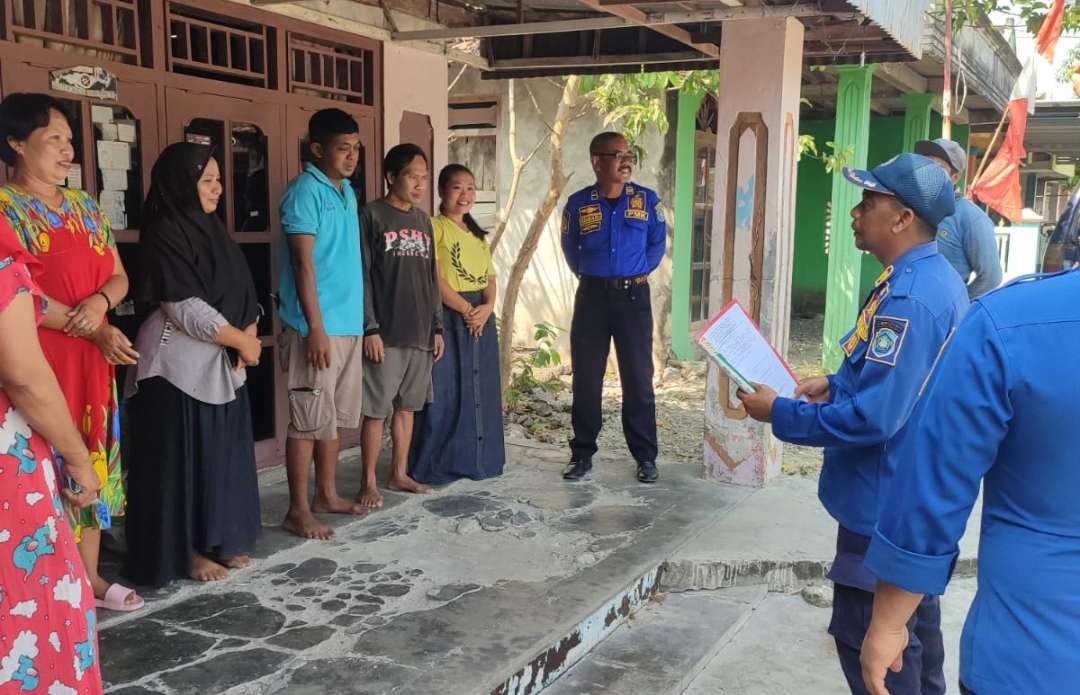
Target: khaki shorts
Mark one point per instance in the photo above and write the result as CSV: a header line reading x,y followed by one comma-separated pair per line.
x,y
323,400
401,382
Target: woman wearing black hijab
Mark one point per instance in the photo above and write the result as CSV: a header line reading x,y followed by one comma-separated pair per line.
x,y
193,499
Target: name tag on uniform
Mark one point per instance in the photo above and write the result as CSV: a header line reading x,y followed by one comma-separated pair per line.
x,y
589,218
636,209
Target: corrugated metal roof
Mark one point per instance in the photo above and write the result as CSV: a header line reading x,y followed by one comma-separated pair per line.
x,y
903,20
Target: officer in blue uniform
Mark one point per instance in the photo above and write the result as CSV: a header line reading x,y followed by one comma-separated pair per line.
x,y
907,319
966,238
1000,409
613,236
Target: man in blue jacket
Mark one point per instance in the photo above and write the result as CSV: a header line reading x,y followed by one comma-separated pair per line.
x,y
901,329
999,410
966,238
613,236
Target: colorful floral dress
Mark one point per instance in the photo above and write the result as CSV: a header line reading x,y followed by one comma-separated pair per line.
x,y
48,637
74,244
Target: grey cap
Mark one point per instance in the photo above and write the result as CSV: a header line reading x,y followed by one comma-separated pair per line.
x,y
948,150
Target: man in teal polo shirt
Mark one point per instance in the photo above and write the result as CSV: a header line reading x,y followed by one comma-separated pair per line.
x,y
322,308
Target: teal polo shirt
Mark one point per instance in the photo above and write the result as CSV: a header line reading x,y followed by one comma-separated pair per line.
x,y
313,205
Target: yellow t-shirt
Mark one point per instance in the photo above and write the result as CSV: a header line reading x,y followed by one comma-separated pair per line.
x,y
464,260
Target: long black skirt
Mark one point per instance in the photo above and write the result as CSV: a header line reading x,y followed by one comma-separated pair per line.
x,y
191,483
460,433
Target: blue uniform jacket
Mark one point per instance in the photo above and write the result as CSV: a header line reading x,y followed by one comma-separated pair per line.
x,y
969,243
1001,408
915,305
602,240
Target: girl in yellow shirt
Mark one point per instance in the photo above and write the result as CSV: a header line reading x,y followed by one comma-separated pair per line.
x,y
460,433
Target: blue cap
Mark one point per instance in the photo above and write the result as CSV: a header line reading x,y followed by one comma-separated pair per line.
x,y
917,182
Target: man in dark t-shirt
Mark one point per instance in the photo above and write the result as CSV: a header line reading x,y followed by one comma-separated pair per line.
x,y
402,317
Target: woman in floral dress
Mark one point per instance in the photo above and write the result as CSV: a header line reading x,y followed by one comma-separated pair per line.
x,y
48,640
83,279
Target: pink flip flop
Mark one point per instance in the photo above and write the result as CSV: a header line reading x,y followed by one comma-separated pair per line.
x,y
115,598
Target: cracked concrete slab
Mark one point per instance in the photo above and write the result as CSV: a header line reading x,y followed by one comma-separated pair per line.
x,y
451,593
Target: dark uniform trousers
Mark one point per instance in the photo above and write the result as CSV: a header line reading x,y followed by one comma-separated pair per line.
x,y
606,309
924,658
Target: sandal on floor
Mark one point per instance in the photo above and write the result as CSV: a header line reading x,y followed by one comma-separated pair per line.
x,y
115,600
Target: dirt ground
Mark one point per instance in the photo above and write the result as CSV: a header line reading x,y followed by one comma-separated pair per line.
x,y
680,413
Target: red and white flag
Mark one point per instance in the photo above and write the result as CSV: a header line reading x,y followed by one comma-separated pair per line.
x,y
999,185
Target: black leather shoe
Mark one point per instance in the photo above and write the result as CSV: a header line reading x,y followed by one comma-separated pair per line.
x,y
578,469
646,472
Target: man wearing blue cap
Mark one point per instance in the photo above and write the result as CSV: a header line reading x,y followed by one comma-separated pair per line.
x,y
966,238
998,410
907,319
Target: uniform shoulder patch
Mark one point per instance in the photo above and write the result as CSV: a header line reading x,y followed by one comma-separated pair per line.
x,y
887,339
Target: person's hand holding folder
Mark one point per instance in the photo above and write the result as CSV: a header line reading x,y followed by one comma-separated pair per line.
x,y
759,402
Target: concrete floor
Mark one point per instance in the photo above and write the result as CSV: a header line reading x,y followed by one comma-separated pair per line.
x,y
784,648
484,586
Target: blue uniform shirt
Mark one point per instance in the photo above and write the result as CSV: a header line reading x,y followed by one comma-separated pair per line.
x,y
603,240
313,205
969,243
1000,408
915,305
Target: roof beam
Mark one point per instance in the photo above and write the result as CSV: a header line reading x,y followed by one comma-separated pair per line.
x,y
636,16
828,90
729,3
879,107
593,61
902,77
729,14
517,29
622,15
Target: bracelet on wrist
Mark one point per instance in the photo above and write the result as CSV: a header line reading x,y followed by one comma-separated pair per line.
x,y
108,302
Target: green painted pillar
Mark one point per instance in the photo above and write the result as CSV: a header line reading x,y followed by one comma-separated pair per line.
x,y
685,144
916,118
845,261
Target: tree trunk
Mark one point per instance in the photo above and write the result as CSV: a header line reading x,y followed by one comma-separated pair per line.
x,y
538,225
519,168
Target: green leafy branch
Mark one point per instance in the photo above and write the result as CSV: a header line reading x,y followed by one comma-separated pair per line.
x,y
543,354
832,157
1030,12
637,102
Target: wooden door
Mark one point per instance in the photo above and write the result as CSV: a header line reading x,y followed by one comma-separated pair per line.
x,y
247,141
136,103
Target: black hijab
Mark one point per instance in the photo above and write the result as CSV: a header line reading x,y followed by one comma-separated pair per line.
x,y
187,252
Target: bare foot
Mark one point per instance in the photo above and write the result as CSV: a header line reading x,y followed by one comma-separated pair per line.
x,y
407,484
203,569
370,498
305,525
337,505
237,562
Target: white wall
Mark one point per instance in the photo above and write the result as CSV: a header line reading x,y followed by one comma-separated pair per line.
x,y
416,81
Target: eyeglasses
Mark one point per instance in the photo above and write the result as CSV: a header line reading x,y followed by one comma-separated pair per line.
x,y
628,157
